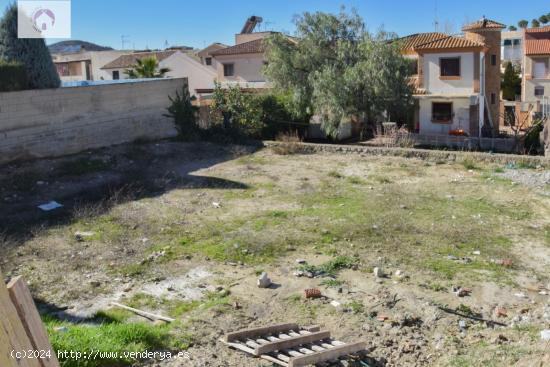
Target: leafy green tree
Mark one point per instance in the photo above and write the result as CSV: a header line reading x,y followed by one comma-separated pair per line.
x,y
32,53
146,67
535,23
523,23
511,83
237,110
184,113
543,19
512,28
337,70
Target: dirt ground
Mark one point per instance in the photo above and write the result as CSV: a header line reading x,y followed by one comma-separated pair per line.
x,y
185,229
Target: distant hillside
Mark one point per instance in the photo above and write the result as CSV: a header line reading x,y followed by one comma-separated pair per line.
x,y
73,46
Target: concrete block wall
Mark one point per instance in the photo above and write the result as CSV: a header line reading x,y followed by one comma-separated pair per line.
x,y
55,122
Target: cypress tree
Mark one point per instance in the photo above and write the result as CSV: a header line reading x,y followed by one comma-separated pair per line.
x,y
32,53
511,83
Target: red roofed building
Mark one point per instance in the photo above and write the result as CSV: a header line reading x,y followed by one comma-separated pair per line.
x,y
536,76
457,79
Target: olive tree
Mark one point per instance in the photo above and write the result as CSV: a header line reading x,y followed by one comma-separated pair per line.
x,y
337,70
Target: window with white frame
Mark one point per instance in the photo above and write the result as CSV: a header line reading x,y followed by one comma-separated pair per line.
x,y
539,91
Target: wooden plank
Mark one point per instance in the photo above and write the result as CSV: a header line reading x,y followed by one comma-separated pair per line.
x,y
260,331
26,309
13,336
147,315
291,342
327,355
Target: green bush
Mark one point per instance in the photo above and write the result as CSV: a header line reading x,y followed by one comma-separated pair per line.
x,y
184,114
13,76
253,115
32,53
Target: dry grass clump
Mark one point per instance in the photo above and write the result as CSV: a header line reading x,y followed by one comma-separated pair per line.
x,y
289,143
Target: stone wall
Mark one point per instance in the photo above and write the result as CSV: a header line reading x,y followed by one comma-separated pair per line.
x,y
54,122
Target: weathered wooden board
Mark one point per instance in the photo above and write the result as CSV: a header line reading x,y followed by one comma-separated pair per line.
x,y
291,342
327,355
260,331
12,333
26,309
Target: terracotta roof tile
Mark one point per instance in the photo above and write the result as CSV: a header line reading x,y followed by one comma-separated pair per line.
x,y
537,47
538,30
483,24
126,61
408,43
251,47
449,42
435,40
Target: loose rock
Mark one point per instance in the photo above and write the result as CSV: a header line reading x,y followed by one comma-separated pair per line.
x,y
264,281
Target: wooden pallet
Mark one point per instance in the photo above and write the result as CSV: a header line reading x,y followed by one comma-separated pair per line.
x,y
291,346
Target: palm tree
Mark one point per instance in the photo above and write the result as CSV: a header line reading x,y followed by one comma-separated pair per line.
x,y
147,67
512,28
543,19
535,23
523,23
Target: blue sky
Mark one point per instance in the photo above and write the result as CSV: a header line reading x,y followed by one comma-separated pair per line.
x,y
199,23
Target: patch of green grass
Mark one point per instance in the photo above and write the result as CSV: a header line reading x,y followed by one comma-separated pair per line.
x,y
331,267
354,180
84,165
331,282
112,336
252,159
335,174
470,163
356,307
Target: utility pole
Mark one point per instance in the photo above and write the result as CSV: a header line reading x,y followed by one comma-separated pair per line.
x,y
124,40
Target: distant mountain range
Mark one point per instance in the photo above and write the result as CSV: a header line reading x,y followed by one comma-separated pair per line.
x,y
74,46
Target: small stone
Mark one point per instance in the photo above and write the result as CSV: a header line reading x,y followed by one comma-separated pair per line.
x,y
477,252
264,281
335,304
378,272
545,335
61,329
501,312
216,205
399,273
462,324
301,261
95,283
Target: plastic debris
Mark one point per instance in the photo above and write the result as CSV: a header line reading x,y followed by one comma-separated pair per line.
x,y
312,293
50,206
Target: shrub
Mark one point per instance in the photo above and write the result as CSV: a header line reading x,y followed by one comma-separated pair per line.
x,y
290,144
13,76
184,113
32,53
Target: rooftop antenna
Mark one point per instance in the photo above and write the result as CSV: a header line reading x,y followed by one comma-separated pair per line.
x,y
165,44
124,40
436,20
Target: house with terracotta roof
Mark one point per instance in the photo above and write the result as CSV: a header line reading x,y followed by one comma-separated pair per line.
x,y
205,55
181,65
536,75
456,79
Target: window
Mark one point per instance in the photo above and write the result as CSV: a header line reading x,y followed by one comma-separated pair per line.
x,y
539,69
494,60
539,91
442,112
507,43
208,61
228,69
116,75
413,66
449,67
493,98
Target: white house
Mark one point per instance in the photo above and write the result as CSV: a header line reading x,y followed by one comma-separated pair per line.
x,y
456,79
86,65
180,64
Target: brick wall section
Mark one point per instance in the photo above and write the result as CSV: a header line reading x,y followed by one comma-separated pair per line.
x,y
54,122
492,39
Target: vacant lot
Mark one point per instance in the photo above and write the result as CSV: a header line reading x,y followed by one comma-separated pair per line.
x,y
185,229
